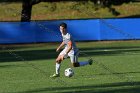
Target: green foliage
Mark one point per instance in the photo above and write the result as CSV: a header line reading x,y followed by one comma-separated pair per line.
x,y
83,6
67,10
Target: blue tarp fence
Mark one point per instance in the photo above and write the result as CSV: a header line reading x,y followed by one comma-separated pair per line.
x,y
81,30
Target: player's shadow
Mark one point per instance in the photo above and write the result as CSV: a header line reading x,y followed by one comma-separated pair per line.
x,y
120,87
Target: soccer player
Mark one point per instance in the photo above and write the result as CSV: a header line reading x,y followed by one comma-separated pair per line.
x,y
70,50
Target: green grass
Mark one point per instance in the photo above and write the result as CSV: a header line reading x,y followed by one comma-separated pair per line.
x,y
67,10
116,68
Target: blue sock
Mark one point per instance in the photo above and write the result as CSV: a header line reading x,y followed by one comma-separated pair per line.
x,y
83,63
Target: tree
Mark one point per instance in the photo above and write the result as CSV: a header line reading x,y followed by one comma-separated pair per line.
x,y
27,6
27,9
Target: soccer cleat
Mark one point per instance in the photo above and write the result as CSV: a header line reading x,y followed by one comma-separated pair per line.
x,y
55,75
90,61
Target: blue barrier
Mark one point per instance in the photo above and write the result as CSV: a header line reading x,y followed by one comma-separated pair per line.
x,y
81,30
15,32
120,29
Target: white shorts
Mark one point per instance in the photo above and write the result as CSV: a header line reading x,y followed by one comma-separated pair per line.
x,y
73,54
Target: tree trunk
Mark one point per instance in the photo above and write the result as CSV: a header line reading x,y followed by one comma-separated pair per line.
x,y
26,11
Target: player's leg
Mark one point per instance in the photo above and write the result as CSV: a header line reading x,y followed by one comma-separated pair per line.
x,y
74,60
82,63
75,63
57,67
59,59
88,62
58,64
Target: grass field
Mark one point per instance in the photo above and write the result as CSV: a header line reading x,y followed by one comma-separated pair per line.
x,y
26,68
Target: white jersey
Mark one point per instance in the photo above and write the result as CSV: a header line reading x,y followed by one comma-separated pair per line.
x,y
66,39
73,54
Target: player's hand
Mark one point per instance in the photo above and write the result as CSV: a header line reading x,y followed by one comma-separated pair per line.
x,y
57,50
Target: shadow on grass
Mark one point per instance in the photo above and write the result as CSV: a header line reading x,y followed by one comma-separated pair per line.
x,y
110,51
44,54
118,73
132,16
11,66
121,87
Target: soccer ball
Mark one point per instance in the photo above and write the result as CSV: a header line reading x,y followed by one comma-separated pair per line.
x,y
69,72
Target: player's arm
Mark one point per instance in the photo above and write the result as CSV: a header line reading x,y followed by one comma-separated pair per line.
x,y
69,47
60,46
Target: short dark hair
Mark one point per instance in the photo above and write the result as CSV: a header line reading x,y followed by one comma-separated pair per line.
x,y
63,25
